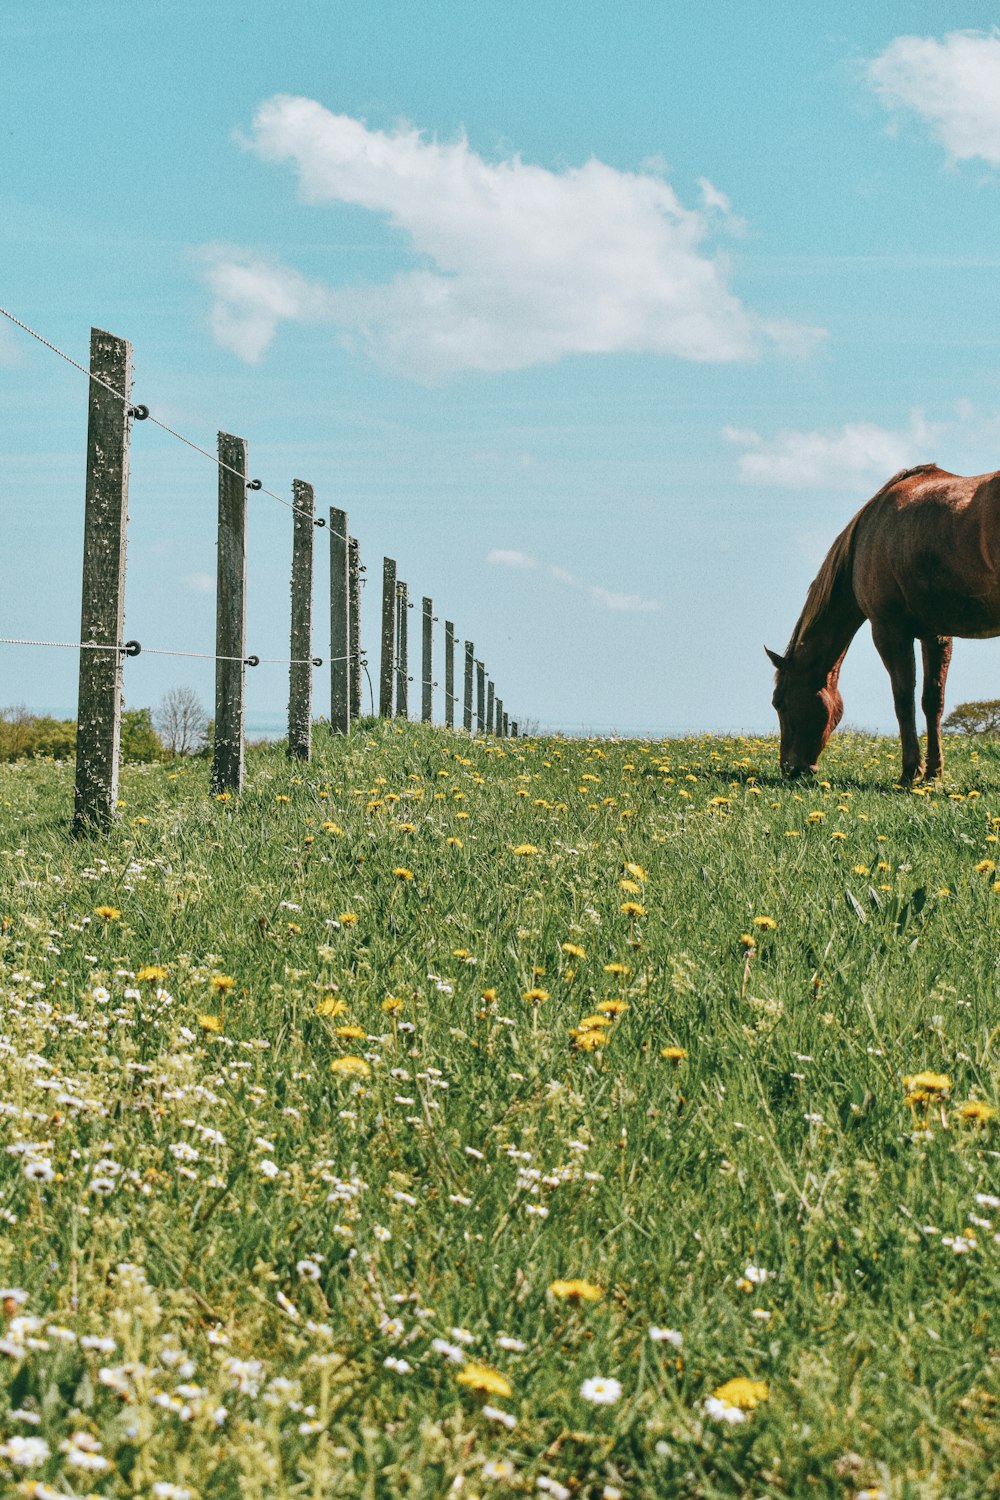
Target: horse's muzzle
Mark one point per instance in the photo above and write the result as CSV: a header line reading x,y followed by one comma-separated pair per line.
x,y
795,772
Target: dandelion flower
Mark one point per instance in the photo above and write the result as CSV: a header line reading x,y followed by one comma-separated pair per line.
x,y
589,1040
574,950
636,871
926,1085
222,981
612,1007
391,1004
975,1112
402,873
109,913
674,1054
633,909
535,996
576,1290
331,827
331,1005
483,1378
151,972
742,1393
210,1023
350,1067
524,849
766,924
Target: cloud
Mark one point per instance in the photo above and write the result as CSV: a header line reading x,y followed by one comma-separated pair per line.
x,y
828,458
508,558
518,265
952,84
201,583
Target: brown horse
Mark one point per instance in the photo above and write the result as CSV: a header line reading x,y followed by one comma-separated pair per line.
x,y
921,561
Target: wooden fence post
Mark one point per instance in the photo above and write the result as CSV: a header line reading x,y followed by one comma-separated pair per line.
x,y
340,624
300,652
449,674
513,729
354,647
489,706
427,672
467,708
387,663
230,616
498,718
480,697
403,654
102,614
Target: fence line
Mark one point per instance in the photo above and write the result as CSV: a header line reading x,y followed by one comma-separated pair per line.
x,y
111,415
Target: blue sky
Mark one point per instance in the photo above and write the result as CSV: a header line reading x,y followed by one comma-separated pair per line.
x,y
601,320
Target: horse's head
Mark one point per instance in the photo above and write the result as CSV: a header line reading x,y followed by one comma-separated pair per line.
x,y
808,713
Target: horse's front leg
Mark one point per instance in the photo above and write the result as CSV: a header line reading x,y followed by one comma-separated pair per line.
x,y
896,650
936,652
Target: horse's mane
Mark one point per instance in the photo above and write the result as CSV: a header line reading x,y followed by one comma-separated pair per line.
x,y
838,559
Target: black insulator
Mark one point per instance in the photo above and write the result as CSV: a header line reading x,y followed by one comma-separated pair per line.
x,y
252,661
254,484
139,413
132,648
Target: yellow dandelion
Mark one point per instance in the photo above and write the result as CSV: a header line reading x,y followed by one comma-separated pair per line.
x,y
210,1023
591,1023
574,950
535,996
109,913
576,1290
524,849
330,827
742,1393
633,908
489,996
617,968
927,1082
612,1007
402,873
350,1067
150,973
674,1054
331,1005
455,843
351,1032
766,924
282,798
748,940
347,918
636,871
985,867
482,1378
975,1112
838,834
816,817
391,1004
222,982
589,1040
632,887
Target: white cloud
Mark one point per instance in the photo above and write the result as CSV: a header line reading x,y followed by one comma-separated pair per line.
x,y
508,558
522,265
952,84
827,459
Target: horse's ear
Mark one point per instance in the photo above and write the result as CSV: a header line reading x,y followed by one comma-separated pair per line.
x,y
776,661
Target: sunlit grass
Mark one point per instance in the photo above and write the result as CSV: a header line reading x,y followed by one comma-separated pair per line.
x,y
475,1117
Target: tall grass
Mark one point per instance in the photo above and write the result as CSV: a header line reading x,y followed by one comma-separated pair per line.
x,y
454,1117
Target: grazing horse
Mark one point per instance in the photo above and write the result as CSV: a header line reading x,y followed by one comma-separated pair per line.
x,y
921,561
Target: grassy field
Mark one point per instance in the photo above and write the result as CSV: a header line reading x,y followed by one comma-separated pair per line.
x,y
468,1118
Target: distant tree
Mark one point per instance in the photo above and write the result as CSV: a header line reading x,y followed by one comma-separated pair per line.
x,y
181,721
140,741
982,717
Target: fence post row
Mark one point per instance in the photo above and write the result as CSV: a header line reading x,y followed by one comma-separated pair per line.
x,y
354,634
480,697
498,718
387,661
300,663
402,653
230,616
102,613
489,706
340,624
426,673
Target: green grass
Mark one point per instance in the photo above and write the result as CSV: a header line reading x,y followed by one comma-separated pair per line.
x,y
479,1153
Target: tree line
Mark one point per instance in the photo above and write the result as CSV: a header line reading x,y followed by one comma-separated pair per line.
x,y
178,726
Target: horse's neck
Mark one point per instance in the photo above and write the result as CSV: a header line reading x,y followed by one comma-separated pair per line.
x,y
821,647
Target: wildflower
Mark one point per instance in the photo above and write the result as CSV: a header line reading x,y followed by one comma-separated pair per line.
x,y
574,950
152,972
352,1033
505,1418
926,1085
766,924
210,1023
589,1039
985,867
454,842
482,1378
524,849
25,1452
636,871
331,1005
84,1452
109,913
350,1067
222,982
612,1007
742,1393
975,1111
674,1054
632,887
347,918
330,827
601,1390
576,1290
666,1336
617,968
402,873
534,996
391,1004
633,908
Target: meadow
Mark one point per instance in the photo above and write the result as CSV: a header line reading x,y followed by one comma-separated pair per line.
x,y
479,1118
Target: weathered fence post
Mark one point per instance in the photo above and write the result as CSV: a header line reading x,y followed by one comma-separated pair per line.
x,y
403,654
102,614
230,616
340,624
480,697
387,662
449,674
470,651
513,729
498,717
300,652
354,646
427,671
489,707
